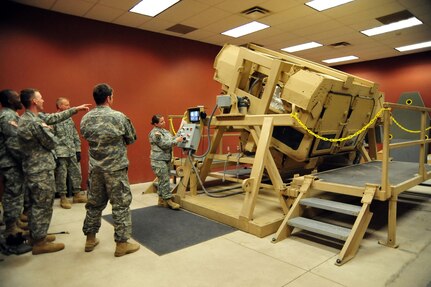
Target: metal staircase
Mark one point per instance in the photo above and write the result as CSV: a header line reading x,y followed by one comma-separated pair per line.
x,y
352,236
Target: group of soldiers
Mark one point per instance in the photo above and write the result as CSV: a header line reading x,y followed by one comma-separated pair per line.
x,y
36,148
38,151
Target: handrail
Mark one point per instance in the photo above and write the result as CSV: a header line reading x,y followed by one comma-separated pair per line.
x,y
387,146
406,107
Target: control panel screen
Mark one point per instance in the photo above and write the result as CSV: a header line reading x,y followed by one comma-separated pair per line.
x,y
194,115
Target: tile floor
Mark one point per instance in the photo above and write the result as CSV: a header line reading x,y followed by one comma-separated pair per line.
x,y
236,259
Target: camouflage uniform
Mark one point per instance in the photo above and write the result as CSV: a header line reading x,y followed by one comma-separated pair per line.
x,y
67,164
37,144
108,133
161,142
10,166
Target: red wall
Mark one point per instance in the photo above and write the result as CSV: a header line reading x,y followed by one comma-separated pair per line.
x,y
408,73
66,56
63,55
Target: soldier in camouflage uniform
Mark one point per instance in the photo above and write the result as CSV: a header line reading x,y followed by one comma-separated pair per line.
x,y
162,142
68,151
108,133
37,143
10,163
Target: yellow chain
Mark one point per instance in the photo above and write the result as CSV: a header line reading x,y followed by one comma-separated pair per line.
x,y
295,116
406,129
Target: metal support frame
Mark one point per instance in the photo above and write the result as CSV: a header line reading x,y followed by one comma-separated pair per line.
x,y
261,133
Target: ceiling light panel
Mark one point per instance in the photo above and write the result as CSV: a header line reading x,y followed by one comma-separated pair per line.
x,y
245,29
152,7
392,27
341,59
321,5
302,47
414,46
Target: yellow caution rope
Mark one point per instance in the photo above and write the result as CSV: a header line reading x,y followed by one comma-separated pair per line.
x,y
295,116
406,129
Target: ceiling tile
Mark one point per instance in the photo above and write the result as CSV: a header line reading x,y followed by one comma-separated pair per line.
x,y
290,14
125,5
414,3
304,23
227,23
283,40
324,28
183,10
340,33
238,6
260,36
72,7
104,13
157,25
369,16
198,34
422,12
210,2
132,19
219,39
206,17
351,7
408,37
277,6
378,54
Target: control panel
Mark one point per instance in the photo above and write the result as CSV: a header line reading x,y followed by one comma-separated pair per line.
x,y
191,136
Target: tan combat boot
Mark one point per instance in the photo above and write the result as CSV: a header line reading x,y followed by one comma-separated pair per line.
x,y
171,204
22,225
43,246
91,242
124,248
23,217
79,197
48,238
13,230
161,202
64,202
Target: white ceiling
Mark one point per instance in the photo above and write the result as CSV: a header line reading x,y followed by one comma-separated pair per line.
x,y
291,22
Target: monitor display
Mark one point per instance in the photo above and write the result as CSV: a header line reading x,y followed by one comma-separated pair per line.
x,y
194,115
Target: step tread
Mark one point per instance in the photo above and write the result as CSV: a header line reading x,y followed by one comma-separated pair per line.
x,y
339,207
323,228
